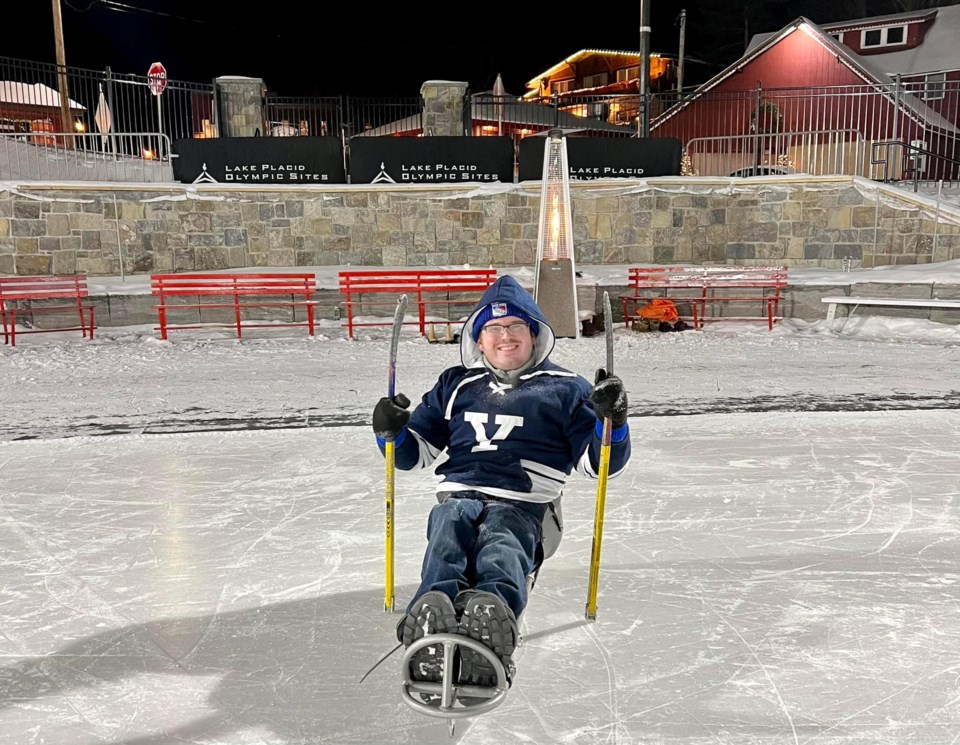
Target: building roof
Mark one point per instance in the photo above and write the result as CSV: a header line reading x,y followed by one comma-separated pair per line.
x,y
37,94
583,54
938,52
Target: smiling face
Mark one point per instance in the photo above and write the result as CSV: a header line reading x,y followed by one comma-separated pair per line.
x,y
507,350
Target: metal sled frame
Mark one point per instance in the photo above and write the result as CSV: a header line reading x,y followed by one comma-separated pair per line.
x,y
449,706
481,699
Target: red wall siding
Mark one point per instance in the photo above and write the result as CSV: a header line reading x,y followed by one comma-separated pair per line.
x,y
797,61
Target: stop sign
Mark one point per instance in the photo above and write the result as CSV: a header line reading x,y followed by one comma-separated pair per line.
x,y
157,78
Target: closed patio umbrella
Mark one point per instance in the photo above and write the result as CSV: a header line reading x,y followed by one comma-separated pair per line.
x,y
499,92
103,119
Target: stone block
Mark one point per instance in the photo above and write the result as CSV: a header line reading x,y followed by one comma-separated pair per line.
x,y
863,217
488,237
839,218
33,264
741,251
664,254
28,228
761,232
661,219
82,221
26,246
600,227
472,219
26,209
388,221
57,225
132,210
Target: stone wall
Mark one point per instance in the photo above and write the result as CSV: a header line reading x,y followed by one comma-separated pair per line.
x,y
172,228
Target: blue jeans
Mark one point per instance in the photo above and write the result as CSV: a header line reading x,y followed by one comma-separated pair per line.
x,y
482,543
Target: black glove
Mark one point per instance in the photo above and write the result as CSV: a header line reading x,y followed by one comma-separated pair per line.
x,y
609,398
390,416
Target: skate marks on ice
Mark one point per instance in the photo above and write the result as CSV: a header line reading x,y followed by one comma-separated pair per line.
x,y
199,419
198,589
766,578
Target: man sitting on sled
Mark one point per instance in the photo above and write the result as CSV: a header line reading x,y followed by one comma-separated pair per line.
x,y
514,426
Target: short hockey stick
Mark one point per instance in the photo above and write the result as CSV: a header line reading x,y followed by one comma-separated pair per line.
x,y
591,613
389,455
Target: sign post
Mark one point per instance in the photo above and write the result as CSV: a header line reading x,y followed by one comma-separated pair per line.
x,y
157,80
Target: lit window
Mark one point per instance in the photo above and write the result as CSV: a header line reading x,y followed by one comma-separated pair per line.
x,y
562,86
883,37
627,73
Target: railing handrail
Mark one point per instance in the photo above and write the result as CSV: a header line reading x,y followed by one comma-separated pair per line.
x,y
907,149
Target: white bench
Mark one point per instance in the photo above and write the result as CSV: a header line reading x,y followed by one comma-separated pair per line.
x,y
833,302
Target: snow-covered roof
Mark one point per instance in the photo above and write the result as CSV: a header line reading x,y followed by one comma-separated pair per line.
x,y
938,52
36,94
582,54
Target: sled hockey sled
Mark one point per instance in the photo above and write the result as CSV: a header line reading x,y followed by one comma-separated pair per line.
x,y
449,699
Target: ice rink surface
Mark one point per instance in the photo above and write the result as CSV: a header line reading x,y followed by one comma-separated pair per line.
x,y
775,577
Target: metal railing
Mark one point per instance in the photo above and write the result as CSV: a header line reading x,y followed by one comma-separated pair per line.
x,y
598,116
816,130
100,101
819,153
910,162
141,157
342,116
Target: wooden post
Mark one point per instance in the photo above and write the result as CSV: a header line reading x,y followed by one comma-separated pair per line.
x,y
66,120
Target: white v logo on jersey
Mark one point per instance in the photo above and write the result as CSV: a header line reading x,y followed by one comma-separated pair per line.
x,y
505,424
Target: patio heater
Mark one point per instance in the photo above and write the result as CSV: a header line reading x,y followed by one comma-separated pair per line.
x,y
555,285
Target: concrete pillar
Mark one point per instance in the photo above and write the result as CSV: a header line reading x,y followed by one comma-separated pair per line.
x,y
241,106
443,108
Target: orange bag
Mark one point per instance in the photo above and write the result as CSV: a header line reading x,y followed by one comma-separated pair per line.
x,y
660,309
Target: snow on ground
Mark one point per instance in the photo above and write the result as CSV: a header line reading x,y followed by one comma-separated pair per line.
x,y
779,560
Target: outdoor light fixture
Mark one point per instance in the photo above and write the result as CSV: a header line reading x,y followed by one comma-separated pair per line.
x,y
79,126
555,289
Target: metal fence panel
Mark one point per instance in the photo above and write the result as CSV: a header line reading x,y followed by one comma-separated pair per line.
x,y
100,101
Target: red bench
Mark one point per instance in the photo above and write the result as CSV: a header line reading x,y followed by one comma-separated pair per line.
x,y
423,288
18,296
237,292
746,288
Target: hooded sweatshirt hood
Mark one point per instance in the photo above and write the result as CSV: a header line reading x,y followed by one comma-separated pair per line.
x,y
506,290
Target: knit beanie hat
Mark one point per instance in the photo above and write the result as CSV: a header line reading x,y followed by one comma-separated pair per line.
x,y
502,310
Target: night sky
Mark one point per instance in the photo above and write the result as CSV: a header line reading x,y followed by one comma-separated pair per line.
x,y
369,49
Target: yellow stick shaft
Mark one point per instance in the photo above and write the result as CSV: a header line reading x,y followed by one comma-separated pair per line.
x,y
591,613
388,584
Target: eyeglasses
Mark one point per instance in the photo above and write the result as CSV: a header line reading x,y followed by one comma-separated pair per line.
x,y
496,329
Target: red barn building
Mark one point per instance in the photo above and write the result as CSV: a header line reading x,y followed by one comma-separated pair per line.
x,y
818,99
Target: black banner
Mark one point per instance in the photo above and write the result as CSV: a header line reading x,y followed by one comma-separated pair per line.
x,y
605,157
259,160
430,160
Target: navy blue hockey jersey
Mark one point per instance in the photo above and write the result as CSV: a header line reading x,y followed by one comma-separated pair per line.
x,y
517,441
